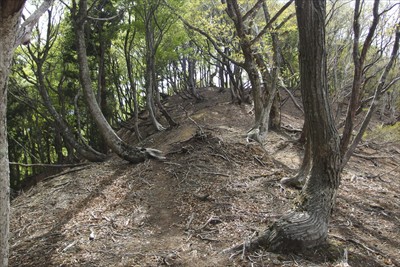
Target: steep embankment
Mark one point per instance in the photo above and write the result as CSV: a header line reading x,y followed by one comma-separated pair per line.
x,y
213,191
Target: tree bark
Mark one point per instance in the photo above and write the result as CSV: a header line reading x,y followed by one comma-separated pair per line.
x,y
123,150
10,18
308,225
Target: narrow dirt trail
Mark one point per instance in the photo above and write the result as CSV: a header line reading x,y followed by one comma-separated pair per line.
x,y
214,190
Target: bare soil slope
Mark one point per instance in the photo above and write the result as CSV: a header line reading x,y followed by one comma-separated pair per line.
x,y
214,190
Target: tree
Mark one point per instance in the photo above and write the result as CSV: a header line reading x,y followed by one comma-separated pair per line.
x,y
13,34
370,60
262,71
131,154
307,226
156,23
40,56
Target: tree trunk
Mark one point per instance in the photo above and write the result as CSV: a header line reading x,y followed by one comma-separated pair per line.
x,y
128,42
10,14
84,150
131,154
102,84
151,70
301,176
359,62
308,225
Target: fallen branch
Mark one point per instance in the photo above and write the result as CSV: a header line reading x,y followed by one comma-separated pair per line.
x,y
50,165
371,157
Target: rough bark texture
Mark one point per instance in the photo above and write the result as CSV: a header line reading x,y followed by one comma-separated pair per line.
x,y
308,225
10,14
255,65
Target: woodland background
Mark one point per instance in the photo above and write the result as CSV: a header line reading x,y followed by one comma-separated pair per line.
x,y
130,57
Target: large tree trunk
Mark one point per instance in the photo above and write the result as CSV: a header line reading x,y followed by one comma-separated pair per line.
x,y
308,225
10,13
123,150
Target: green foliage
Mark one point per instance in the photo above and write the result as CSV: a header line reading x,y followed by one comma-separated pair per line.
x,y
32,134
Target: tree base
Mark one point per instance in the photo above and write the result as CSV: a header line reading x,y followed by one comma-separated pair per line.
x,y
292,233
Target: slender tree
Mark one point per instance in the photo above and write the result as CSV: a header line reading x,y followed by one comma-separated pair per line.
x,y
39,55
131,154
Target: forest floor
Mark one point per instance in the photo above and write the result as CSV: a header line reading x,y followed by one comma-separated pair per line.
x,y
213,191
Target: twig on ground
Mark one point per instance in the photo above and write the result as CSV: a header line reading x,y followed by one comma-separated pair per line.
x,y
221,156
371,157
207,238
190,221
216,173
359,244
213,219
69,246
186,176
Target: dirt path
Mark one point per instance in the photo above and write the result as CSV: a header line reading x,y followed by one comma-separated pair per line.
x,y
213,191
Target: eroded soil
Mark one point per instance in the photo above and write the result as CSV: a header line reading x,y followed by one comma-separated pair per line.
x,y
214,190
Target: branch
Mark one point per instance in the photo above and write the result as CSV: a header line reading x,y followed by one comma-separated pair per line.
x,y
209,38
106,19
25,31
378,93
49,165
272,20
253,10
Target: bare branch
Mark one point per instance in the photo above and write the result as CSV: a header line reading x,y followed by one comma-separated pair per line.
x,y
106,19
253,10
271,21
209,37
25,31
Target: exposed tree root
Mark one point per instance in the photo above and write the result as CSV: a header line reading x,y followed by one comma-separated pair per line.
x,y
293,232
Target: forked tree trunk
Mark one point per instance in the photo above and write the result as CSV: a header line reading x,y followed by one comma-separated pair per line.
x,y
123,150
308,225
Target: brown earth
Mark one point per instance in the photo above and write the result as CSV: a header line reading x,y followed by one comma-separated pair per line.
x,y
214,190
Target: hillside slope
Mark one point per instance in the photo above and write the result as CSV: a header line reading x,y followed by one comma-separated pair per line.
x,y
213,191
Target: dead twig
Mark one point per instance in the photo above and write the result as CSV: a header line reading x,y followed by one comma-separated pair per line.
x,y
190,221
213,219
49,165
370,157
358,243
221,156
216,173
